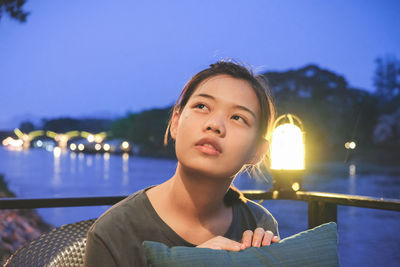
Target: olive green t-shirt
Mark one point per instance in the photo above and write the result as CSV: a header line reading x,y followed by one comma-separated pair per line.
x,y
116,238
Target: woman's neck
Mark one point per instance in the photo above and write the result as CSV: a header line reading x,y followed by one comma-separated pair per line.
x,y
192,204
197,193
192,194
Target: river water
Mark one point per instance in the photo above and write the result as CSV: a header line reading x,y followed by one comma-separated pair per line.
x,y
367,237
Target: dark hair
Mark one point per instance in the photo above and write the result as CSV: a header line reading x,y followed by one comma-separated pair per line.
x,y
235,70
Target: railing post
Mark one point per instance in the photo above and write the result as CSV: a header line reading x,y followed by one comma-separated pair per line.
x,y
320,212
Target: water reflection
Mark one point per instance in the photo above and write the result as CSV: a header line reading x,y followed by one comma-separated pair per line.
x,y
352,170
89,161
352,211
106,157
57,167
72,157
352,179
98,163
125,169
81,156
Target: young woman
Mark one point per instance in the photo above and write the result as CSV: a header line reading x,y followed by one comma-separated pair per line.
x,y
219,125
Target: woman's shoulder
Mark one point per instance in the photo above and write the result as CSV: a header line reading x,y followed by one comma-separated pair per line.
x,y
258,214
122,213
256,209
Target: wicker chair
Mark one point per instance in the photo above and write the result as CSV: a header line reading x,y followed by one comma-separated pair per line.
x,y
63,246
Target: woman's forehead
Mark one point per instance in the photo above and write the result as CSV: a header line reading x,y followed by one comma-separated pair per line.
x,y
225,88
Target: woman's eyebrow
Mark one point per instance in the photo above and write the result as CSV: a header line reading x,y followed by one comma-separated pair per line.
x,y
246,109
236,106
206,96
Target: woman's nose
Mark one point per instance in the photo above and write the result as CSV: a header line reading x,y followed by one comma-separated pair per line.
x,y
216,126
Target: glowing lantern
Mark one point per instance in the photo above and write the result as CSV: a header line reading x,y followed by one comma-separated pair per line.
x,y
287,153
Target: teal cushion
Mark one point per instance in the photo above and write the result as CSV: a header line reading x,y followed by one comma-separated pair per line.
x,y
315,247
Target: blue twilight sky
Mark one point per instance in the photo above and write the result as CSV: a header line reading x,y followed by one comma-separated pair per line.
x,y
104,58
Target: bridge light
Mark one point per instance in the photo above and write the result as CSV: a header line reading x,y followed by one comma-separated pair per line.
x,y
125,145
81,147
90,138
106,147
72,147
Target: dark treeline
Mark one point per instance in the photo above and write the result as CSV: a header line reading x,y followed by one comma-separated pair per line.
x,y
63,125
332,113
145,129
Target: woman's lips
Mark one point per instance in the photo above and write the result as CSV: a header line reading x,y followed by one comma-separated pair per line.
x,y
209,146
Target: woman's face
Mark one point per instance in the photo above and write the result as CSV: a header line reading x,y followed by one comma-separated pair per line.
x,y
216,132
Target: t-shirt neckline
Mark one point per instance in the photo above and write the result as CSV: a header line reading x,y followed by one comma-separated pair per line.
x,y
170,233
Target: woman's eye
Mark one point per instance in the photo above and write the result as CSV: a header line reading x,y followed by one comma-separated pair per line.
x,y
238,118
200,106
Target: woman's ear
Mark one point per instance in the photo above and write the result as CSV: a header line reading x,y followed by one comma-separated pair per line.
x,y
260,152
174,124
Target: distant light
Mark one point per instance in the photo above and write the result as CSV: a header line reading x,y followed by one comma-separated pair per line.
x,y
39,143
49,148
25,137
125,145
352,145
72,147
287,148
98,138
15,143
106,147
90,138
62,140
97,147
296,186
5,142
81,147
57,151
18,143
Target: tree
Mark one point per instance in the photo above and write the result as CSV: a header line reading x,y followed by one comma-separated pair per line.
x,y
387,83
26,126
14,9
146,129
62,125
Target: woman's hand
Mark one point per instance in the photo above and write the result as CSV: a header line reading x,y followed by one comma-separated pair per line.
x,y
260,237
220,242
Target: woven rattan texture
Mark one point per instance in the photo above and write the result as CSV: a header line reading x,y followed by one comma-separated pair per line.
x,y
63,246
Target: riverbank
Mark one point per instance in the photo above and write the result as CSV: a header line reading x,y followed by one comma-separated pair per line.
x,y
17,227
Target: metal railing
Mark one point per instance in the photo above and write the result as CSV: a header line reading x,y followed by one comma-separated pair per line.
x,y
322,207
